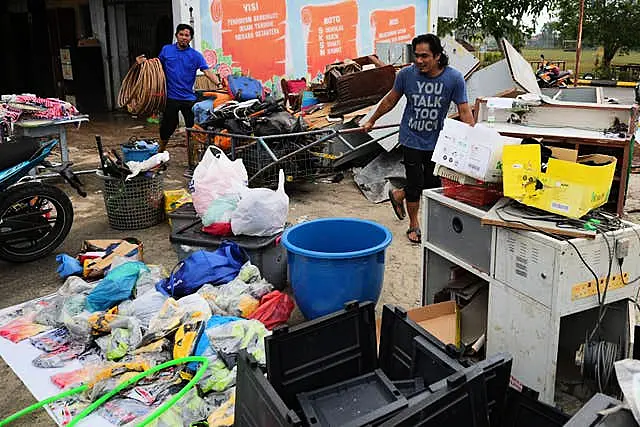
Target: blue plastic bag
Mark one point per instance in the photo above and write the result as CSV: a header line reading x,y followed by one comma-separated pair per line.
x,y
218,267
116,286
67,266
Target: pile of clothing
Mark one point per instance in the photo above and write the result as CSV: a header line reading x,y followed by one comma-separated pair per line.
x,y
131,316
26,107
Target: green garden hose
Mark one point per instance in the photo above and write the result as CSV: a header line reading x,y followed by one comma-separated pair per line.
x,y
40,404
204,363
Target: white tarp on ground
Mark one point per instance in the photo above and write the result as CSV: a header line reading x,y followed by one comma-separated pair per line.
x,y
37,380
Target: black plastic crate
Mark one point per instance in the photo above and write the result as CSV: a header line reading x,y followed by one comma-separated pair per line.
x,y
356,402
410,388
396,353
525,410
497,373
588,415
458,400
257,403
429,362
322,352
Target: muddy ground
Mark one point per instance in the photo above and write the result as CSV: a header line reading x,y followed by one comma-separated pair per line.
x,y
22,282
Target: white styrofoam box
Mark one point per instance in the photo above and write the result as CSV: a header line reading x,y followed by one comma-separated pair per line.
x,y
475,151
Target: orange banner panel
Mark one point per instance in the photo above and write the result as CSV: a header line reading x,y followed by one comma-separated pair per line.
x,y
331,33
254,33
393,26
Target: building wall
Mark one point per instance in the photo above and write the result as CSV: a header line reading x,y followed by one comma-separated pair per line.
x,y
271,39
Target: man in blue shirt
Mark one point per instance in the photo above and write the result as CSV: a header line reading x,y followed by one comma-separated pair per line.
x,y
180,63
430,86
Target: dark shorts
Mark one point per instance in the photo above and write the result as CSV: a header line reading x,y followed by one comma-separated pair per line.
x,y
419,170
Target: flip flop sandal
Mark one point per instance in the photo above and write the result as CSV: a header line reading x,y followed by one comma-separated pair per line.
x,y
418,233
398,208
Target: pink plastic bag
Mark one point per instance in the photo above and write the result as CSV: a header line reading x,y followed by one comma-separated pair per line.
x,y
275,309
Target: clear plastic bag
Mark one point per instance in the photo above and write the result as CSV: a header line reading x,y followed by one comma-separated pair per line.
x,y
74,286
218,378
147,280
261,211
235,298
147,305
223,415
231,337
169,317
60,357
196,307
121,340
51,314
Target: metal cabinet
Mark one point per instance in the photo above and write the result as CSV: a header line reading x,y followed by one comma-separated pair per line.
x,y
534,280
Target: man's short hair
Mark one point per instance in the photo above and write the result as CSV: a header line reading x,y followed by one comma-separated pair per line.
x,y
181,27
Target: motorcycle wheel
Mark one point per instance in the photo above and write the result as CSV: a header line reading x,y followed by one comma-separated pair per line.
x,y
48,210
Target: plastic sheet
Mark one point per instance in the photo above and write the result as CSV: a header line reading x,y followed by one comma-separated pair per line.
x,y
51,314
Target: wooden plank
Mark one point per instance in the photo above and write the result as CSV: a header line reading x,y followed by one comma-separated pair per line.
x,y
493,217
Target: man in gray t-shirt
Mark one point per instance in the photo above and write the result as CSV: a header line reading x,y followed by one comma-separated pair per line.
x,y
430,86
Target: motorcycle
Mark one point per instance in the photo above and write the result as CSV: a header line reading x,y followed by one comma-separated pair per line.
x,y
35,217
550,75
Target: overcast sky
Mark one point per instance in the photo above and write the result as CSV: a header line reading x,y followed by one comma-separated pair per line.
x,y
540,21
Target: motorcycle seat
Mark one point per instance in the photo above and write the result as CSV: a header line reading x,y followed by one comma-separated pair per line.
x,y
13,153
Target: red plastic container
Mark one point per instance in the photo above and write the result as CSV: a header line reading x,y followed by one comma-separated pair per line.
x,y
479,194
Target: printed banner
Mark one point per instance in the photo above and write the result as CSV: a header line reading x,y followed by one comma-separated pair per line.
x,y
393,26
331,31
275,39
254,34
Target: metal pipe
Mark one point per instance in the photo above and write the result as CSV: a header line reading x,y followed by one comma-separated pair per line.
x,y
579,44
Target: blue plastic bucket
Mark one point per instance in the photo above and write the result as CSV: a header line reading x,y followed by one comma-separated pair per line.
x,y
138,155
333,261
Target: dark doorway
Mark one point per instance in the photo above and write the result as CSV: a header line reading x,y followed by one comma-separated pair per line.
x,y
150,26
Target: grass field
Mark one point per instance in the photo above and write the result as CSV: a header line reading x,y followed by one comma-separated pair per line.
x,y
586,61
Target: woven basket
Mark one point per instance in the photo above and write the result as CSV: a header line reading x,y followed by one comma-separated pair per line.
x,y
133,204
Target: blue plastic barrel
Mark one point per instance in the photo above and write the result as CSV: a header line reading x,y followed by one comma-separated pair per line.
x,y
333,261
138,154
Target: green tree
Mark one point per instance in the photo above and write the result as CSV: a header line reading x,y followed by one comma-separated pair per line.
x,y
612,24
497,18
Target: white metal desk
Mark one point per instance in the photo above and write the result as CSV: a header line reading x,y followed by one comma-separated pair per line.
x,y
535,281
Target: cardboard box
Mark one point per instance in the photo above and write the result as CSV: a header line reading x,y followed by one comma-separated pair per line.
x,y
442,320
567,188
474,151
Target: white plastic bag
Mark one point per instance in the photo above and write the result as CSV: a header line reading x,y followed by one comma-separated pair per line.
x,y
215,176
261,211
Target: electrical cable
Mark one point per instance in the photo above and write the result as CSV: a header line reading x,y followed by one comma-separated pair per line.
x,y
143,89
